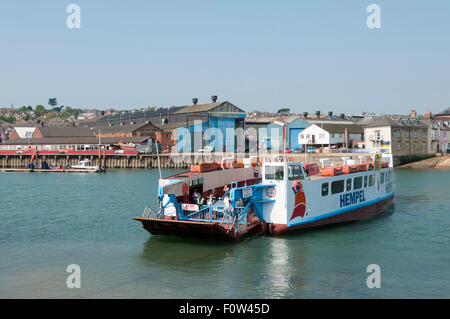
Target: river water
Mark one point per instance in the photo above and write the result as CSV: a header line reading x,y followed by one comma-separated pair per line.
x,y
49,221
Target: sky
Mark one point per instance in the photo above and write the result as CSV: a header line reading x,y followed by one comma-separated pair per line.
x,y
259,55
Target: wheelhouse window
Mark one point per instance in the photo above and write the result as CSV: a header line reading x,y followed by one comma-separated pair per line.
x,y
365,181
337,187
372,180
349,184
357,182
324,189
381,178
274,172
294,172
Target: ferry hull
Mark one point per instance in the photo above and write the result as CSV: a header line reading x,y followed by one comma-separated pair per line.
x,y
357,214
193,229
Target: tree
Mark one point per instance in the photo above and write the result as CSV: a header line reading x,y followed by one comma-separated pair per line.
x,y
284,110
39,110
52,102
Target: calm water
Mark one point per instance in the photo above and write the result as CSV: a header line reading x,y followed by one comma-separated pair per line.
x,y
49,221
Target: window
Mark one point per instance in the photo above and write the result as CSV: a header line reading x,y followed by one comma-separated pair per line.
x,y
357,182
423,146
399,146
307,135
372,180
407,134
423,133
321,136
365,181
415,145
302,136
377,135
382,178
295,172
332,135
337,187
275,172
406,146
349,184
324,189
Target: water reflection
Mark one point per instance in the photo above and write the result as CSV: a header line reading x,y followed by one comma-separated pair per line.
x,y
284,262
177,251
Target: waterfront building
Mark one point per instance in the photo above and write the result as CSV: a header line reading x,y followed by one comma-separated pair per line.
x,y
443,119
433,132
194,119
405,137
22,132
329,134
272,132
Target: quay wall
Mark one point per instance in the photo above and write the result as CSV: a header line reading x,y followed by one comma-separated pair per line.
x,y
150,161
111,161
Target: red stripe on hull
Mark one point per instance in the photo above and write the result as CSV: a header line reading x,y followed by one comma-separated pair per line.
x,y
352,215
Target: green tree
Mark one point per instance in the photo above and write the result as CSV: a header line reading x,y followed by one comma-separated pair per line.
x,y
284,110
39,110
9,119
52,102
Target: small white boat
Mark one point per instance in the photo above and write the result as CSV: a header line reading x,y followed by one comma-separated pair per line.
x,y
85,165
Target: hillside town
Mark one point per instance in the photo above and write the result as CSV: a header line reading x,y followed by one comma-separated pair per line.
x,y
409,137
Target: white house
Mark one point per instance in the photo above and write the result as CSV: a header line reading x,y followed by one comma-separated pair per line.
x,y
330,134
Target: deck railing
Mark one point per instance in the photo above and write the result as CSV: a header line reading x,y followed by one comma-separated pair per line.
x,y
217,214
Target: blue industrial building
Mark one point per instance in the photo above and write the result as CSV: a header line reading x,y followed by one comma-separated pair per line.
x,y
270,131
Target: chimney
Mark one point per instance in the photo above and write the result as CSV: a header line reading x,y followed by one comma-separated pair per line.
x,y
305,115
330,114
413,114
214,98
428,114
318,114
342,115
194,101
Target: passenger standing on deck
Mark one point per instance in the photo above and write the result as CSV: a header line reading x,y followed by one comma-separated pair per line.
x,y
226,189
226,203
196,196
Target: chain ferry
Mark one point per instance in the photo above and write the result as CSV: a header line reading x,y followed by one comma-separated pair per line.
x,y
269,196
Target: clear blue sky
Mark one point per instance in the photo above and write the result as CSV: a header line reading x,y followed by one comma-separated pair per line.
x,y
305,55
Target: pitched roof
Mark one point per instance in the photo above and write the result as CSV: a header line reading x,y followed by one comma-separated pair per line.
x,y
204,107
395,121
65,131
271,119
340,128
122,128
445,112
139,114
171,126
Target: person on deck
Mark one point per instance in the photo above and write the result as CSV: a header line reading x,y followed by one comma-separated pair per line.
x,y
195,196
226,189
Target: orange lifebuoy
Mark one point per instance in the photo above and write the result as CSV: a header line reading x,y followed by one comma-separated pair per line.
x,y
297,186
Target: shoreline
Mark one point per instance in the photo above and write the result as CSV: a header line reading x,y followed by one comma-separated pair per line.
x,y
437,162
